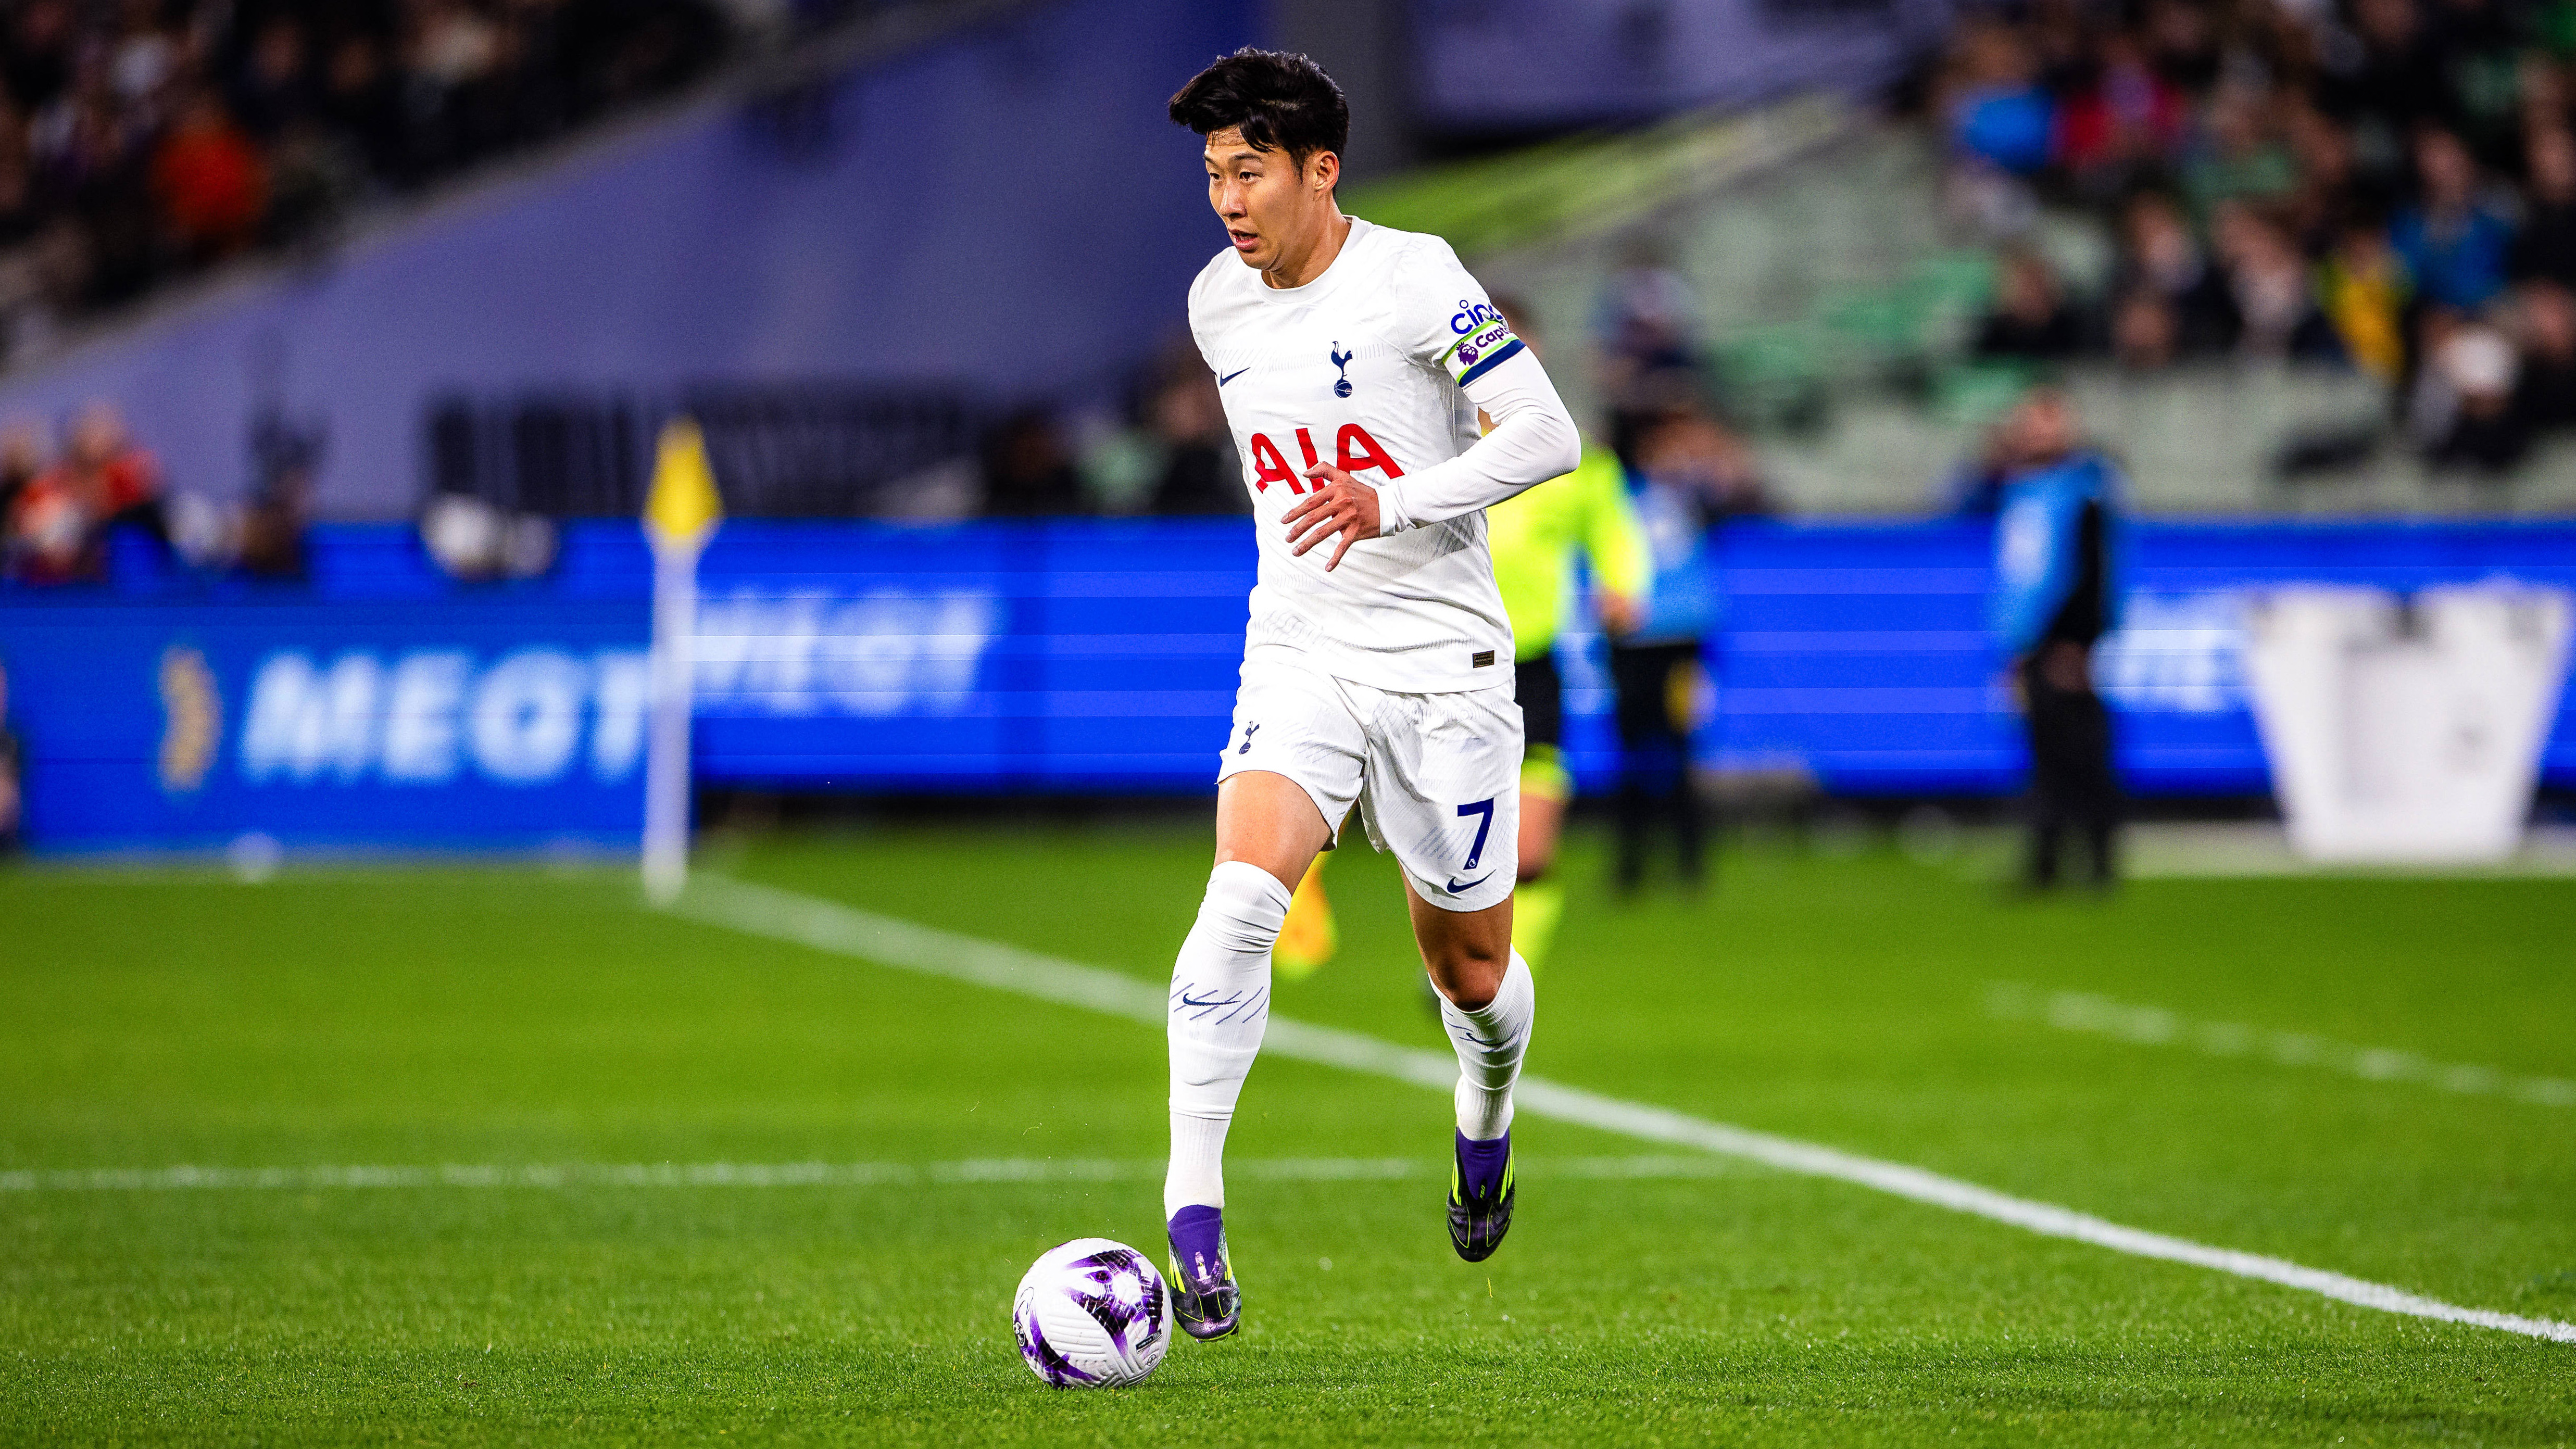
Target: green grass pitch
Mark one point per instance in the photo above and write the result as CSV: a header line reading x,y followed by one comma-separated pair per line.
x,y
418,1017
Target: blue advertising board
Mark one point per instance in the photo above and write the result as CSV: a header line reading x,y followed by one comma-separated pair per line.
x,y
384,707
350,725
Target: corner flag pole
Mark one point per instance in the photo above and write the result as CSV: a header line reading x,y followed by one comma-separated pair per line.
x,y
679,517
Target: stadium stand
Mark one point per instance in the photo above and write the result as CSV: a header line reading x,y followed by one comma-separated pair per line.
x,y
145,141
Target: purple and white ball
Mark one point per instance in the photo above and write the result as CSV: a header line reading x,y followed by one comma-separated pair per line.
x,y
1092,1314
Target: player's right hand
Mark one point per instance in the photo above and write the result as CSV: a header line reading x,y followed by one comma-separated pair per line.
x,y
1340,504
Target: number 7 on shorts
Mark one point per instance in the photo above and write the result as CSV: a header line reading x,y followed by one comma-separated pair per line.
x,y
1484,828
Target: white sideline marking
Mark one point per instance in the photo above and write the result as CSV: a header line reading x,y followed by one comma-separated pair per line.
x,y
799,1174
2155,1026
848,931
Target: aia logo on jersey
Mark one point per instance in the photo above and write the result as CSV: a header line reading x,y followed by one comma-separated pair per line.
x,y
1341,364
1353,451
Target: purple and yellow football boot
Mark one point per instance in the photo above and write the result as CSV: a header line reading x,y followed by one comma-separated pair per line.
x,y
1205,1298
1480,1196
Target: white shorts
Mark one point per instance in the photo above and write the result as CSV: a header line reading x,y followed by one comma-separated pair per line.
x,y
1436,776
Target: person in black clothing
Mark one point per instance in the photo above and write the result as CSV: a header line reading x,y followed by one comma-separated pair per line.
x,y
2160,258
2031,319
2544,394
2056,596
1199,473
1028,472
2545,246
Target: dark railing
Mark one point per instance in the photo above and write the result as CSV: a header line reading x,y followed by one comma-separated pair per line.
x,y
785,450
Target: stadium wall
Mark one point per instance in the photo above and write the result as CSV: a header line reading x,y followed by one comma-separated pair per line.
x,y
384,706
1007,209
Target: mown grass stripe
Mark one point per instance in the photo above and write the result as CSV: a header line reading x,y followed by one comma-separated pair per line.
x,y
885,940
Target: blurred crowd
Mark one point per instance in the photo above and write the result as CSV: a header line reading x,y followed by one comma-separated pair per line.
x,y
63,504
91,505
146,139
2383,185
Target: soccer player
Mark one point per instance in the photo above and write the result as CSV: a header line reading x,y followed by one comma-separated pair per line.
x,y
1353,360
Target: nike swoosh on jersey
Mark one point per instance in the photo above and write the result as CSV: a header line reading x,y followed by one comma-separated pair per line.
x,y
1457,889
1231,376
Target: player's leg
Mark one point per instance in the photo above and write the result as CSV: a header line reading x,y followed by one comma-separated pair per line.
x,y
1291,763
1268,831
1460,859
1488,1003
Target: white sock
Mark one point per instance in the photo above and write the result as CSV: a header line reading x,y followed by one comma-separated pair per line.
x,y
1491,1040
1219,1004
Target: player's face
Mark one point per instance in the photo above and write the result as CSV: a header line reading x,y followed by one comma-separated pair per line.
x,y
1271,206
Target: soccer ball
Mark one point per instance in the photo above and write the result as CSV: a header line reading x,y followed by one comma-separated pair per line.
x,y
1092,1314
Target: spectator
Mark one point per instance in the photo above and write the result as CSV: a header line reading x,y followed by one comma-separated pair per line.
x,y
1649,316
2031,319
1200,472
1028,471
36,62
277,89
2184,44
284,457
12,794
2146,336
2462,410
2120,126
2332,193
210,181
2363,292
2238,159
2395,78
2268,281
2453,241
2159,256
22,460
2546,244
1998,114
2057,593
60,524
2545,392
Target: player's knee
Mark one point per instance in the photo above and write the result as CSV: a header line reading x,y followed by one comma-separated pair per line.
x,y
1244,908
1470,977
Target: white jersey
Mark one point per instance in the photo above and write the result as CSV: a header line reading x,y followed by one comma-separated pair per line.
x,y
1364,368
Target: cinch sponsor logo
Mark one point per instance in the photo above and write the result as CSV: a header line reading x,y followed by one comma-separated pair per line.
x,y
2177,653
425,717
1353,451
1472,315
886,652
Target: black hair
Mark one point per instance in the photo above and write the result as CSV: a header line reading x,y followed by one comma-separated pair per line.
x,y
1283,102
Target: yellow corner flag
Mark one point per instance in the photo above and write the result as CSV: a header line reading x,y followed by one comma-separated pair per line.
x,y
683,507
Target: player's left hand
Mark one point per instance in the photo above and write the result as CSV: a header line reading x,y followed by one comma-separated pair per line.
x,y
1340,504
